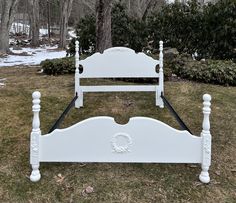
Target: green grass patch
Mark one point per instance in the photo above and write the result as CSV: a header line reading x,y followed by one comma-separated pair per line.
x,y
112,182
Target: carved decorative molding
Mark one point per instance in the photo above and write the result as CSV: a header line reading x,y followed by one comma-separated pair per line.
x,y
121,148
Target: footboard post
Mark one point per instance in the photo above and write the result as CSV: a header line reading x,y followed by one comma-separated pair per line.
x,y
206,140
160,89
34,138
79,101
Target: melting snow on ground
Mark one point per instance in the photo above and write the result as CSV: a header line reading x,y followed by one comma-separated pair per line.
x,y
35,56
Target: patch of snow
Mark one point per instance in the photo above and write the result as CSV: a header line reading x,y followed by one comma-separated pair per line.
x,y
38,55
43,31
20,27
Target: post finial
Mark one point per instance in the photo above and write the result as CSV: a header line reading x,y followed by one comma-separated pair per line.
x,y
36,95
36,101
36,108
206,112
161,54
161,45
77,56
207,98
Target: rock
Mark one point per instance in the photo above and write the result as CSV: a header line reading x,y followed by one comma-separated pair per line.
x,y
170,54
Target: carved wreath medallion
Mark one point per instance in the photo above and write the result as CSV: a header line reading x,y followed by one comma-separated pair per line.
x,y
124,147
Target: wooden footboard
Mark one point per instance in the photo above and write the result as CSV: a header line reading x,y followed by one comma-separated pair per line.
x,y
101,139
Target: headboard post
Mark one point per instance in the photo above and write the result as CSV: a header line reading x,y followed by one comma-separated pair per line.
x,y
34,138
160,90
206,139
79,101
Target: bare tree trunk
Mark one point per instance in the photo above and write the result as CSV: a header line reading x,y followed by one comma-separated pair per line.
x,y
7,16
65,10
49,19
103,25
34,21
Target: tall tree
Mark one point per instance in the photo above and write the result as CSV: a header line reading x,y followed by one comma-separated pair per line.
x,y
65,10
103,25
34,21
7,16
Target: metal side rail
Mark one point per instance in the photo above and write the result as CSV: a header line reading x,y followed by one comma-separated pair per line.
x,y
174,113
62,116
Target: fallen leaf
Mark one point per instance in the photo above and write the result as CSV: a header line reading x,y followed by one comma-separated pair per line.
x,y
87,191
217,173
59,178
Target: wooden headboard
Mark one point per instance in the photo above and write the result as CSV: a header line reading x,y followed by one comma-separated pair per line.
x,y
119,62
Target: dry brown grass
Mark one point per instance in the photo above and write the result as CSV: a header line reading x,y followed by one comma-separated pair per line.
x,y
112,182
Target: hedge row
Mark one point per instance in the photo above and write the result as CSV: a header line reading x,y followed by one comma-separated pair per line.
x,y
209,30
210,71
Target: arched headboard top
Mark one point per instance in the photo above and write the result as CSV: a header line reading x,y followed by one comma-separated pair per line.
x,y
119,62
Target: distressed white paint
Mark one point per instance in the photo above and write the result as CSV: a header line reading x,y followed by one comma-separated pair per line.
x,y
118,62
206,140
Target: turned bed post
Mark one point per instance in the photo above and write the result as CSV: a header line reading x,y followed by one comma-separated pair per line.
x,y
206,140
160,89
79,101
34,138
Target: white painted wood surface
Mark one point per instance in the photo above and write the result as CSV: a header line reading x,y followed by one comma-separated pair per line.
x,y
101,139
120,88
119,62
160,90
142,140
206,140
34,138
79,101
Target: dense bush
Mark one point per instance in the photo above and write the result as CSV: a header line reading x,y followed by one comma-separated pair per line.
x,y
58,66
210,71
127,31
209,30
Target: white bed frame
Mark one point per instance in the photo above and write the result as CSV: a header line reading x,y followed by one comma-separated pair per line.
x,y
101,139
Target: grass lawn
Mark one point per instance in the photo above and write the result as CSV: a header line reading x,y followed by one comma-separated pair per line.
x,y
112,182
